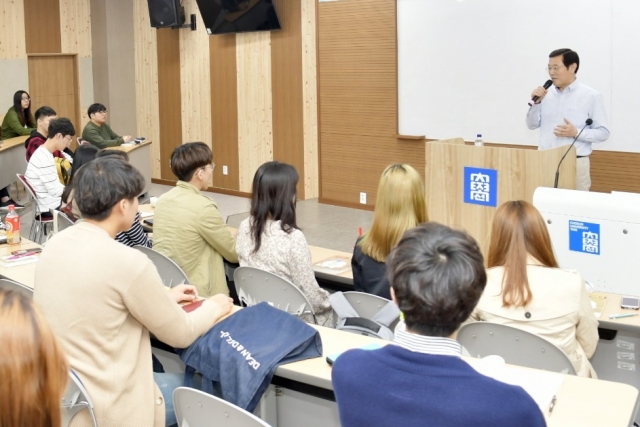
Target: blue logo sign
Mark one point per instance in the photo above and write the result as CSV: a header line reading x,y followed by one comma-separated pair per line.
x,y
481,186
584,237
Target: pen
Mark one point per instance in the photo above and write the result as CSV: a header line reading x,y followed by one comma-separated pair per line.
x,y
552,404
621,316
21,256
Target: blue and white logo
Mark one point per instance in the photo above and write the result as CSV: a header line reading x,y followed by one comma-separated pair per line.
x,y
481,186
584,237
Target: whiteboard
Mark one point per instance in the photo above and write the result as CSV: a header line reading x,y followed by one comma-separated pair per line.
x,y
469,66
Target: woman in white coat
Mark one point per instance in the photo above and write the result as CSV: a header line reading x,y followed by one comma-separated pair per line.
x,y
526,289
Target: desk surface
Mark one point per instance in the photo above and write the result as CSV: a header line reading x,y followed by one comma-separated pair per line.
x,y
24,274
580,401
12,142
130,148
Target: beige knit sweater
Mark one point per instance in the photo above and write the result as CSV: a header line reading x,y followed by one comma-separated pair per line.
x,y
102,299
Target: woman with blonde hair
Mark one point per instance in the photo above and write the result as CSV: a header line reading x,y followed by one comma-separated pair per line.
x,y
33,367
526,289
400,206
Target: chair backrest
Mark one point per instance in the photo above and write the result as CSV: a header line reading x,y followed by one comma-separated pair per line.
x,y
195,408
10,284
255,286
82,141
169,271
76,399
27,186
63,221
367,305
515,346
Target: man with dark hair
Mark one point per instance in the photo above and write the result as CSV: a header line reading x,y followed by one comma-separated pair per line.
x,y
563,110
41,171
98,132
437,276
38,136
105,309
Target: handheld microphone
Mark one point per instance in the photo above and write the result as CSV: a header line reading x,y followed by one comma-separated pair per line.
x,y
546,85
588,122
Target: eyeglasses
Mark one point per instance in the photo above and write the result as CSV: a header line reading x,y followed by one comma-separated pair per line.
x,y
26,99
549,69
212,166
102,112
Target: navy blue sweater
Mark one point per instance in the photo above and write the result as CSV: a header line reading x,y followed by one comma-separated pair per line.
x,y
394,387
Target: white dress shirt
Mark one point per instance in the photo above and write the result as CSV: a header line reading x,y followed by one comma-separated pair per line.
x,y
577,103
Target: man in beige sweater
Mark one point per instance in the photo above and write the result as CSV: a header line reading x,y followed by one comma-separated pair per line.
x,y
104,307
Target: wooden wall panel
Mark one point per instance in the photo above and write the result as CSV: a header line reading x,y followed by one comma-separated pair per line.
x,y
615,171
310,97
146,69
224,110
169,97
357,79
12,30
286,81
255,117
75,37
42,24
195,80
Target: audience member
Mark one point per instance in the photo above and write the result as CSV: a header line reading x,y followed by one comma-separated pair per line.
x,y
41,172
271,240
83,155
135,235
17,122
33,367
400,206
527,290
38,136
187,226
105,311
98,132
437,276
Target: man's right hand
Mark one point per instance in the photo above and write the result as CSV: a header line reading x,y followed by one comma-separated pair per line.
x,y
540,92
225,303
126,138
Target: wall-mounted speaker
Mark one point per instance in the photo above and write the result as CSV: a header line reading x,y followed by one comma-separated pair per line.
x,y
166,13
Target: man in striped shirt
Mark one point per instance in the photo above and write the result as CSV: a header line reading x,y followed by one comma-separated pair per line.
x,y
41,171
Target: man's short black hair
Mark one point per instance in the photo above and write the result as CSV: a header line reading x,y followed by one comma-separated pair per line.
x,y
102,183
113,153
437,275
187,158
45,111
568,57
61,125
95,108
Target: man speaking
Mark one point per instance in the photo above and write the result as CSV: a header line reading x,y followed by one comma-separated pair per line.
x,y
561,112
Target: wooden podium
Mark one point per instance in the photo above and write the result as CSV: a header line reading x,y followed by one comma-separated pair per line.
x,y
519,172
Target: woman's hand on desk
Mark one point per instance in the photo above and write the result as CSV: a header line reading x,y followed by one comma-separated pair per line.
x,y
224,302
184,293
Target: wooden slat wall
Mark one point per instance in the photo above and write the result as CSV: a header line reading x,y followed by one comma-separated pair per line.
x,y
42,23
224,110
357,79
255,115
146,71
310,98
286,81
615,171
169,97
12,30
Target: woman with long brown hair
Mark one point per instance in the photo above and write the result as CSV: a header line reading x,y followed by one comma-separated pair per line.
x,y
33,367
526,289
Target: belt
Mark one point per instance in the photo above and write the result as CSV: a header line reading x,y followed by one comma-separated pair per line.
x,y
580,157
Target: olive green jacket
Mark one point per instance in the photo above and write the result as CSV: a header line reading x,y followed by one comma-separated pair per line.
x,y
101,136
11,126
188,228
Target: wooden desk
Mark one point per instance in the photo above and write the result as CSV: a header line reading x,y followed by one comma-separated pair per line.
x,y
580,401
13,160
140,157
24,274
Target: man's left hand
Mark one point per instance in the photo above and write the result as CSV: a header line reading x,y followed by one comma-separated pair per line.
x,y
567,130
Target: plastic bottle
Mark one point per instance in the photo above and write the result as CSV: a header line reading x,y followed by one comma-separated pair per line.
x,y
479,142
12,226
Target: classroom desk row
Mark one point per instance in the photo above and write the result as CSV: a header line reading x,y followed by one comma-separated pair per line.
x,y
12,157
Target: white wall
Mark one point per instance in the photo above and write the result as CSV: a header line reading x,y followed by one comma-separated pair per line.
x,y
469,66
